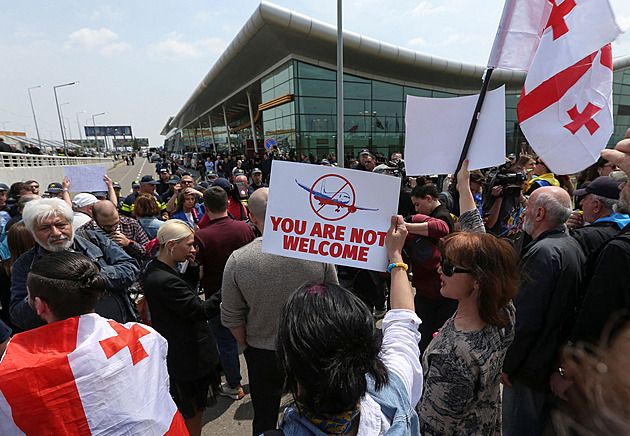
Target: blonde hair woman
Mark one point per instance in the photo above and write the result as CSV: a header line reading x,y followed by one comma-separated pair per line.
x,y
179,315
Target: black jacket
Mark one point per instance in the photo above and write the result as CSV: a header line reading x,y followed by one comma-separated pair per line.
x,y
608,290
545,306
179,315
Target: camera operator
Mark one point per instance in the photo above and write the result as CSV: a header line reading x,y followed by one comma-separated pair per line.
x,y
504,202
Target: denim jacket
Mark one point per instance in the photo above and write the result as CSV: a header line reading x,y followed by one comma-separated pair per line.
x,y
117,268
392,399
151,225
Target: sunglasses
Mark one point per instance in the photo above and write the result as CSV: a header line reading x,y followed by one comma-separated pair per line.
x,y
449,269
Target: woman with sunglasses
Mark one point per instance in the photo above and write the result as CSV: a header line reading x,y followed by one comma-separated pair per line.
x,y
462,364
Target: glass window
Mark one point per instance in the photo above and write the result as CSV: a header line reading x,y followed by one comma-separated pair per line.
x,y
316,88
269,127
625,89
386,91
357,123
312,72
283,74
318,123
351,78
416,92
439,94
283,88
357,90
616,88
357,107
626,78
266,83
313,105
387,108
624,99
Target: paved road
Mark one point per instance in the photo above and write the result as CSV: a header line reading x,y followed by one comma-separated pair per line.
x,y
228,417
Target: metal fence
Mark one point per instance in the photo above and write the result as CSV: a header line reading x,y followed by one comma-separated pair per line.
x,y
36,160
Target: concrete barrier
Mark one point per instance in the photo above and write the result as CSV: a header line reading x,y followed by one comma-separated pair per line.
x,y
17,167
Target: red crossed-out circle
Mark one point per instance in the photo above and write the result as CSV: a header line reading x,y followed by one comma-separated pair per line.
x,y
318,207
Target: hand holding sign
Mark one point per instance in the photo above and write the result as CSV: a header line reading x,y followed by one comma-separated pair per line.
x,y
330,214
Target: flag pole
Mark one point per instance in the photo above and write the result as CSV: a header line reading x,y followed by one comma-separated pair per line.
x,y
475,118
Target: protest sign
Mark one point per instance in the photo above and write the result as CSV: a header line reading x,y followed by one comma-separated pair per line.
x,y
86,178
436,129
329,214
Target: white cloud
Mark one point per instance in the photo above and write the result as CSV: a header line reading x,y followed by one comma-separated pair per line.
x,y
116,48
89,38
172,47
418,42
426,8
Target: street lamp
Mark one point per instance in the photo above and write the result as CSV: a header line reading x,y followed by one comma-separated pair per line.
x,y
63,137
39,139
79,126
94,124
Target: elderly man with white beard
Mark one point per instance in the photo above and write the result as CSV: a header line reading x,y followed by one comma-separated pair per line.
x,y
50,222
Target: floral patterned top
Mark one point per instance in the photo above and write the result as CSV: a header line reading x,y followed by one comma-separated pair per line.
x,y
462,374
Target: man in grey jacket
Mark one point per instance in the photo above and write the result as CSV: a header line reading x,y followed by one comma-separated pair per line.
x,y
255,287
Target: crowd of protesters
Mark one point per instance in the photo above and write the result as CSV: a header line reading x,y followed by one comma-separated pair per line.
x,y
503,276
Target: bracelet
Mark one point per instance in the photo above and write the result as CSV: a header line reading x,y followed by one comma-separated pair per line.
x,y
397,264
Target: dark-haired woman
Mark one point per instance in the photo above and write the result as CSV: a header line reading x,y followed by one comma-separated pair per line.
x,y
187,209
344,376
462,365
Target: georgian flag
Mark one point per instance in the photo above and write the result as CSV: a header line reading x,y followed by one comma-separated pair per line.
x,y
87,375
565,109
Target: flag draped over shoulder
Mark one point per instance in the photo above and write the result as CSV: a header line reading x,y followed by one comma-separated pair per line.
x,y
565,109
87,375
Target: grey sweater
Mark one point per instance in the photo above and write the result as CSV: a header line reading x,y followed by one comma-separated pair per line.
x,y
261,283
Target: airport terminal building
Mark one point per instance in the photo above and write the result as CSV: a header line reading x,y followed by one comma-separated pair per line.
x,y
279,75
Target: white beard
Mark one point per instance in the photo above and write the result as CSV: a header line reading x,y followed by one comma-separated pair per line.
x,y
622,206
55,248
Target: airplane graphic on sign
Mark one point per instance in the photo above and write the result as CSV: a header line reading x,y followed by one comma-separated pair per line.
x,y
341,196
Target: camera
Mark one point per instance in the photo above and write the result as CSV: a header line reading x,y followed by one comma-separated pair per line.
x,y
510,182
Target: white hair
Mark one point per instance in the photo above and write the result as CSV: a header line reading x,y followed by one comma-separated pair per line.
x,y
36,211
556,212
609,203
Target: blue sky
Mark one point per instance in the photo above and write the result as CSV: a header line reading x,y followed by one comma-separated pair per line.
x,y
140,60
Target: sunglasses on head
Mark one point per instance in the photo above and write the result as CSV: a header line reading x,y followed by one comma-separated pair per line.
x,y
449,269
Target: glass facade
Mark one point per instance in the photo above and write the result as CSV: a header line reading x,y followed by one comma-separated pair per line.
x,y
373,111
305,118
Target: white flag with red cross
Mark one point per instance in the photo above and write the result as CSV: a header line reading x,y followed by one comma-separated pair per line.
x,y
565,109
87,376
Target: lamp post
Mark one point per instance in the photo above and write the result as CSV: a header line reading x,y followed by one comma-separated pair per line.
x,y
94,124
79,126
63,137
39,139
4,125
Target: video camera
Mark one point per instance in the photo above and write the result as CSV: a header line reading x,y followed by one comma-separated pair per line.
x,y
510,181
396,168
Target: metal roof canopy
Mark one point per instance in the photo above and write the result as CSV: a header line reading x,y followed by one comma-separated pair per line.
x,y
274,34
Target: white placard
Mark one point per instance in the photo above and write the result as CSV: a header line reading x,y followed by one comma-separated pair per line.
x,y
436,129
86,178
329,214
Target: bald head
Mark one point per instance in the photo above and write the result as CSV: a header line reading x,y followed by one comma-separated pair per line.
x,y
242,179
104,209
257,204
547,207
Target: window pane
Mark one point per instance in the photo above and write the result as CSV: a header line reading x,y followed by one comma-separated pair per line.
x,y
351,78
318,123
357,107
386,91
312,72
312,105
387,108
357,90
316,88
416,92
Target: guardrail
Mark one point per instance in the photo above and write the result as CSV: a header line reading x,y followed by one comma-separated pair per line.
x,y
36,160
